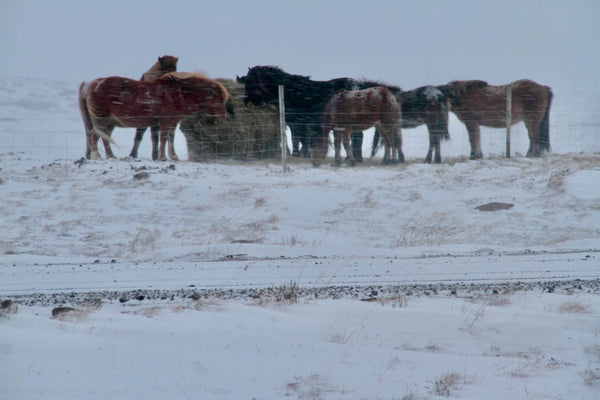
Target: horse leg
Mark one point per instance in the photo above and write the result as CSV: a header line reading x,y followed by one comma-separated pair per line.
x,y
107,149
438,151
171,140
388,147
88,144
164,134
337,144
475,140
306,133
534,139
434,146
94,136
154,133
94,155
357,141
398,142
139,135
348,147
295,141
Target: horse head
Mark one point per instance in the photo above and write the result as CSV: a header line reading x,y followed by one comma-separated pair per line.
x,y
455,89
168,63
261,86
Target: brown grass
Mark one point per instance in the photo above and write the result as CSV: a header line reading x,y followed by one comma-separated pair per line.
x,y
247,132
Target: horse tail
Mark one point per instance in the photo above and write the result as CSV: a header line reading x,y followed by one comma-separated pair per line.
x,y
87,116
545,125
444,104
83,108
376,144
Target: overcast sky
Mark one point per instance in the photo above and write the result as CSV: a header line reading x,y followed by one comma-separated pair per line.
x,y
408,43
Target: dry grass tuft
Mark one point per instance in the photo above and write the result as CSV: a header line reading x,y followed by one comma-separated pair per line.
x,y
8,307
397,300
284,294
69,314
448,383
312,387
574,307
591,377
144,240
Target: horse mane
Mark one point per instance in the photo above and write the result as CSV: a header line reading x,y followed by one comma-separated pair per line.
x,y
464,87
277,73
181,77
365,84
164,64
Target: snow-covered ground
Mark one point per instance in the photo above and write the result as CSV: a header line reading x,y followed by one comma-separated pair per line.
x,y
233,280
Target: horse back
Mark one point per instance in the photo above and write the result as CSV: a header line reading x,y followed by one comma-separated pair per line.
x,y
362,107
125,102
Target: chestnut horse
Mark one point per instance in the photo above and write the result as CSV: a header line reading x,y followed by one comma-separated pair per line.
x,y
476,103
117,101
164,65
348,111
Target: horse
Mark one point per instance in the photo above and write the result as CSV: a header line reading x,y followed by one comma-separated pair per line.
x,y
117,101
476,103
424,105
164,65
357,110
304,99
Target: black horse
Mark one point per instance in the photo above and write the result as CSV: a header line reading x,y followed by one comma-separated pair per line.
x,y
304,100
424,105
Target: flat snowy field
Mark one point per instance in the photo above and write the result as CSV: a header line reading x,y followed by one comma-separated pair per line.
x,y
233,280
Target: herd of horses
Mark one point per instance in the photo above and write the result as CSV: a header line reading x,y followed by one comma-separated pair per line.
x,y
313,109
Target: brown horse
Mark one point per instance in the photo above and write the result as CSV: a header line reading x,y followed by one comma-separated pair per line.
x,y
164,65
349,111
476,103
123,102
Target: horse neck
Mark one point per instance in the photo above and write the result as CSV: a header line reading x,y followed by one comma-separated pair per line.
x,y
153,73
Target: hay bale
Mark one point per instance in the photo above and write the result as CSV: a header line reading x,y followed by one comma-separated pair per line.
x,y
247,132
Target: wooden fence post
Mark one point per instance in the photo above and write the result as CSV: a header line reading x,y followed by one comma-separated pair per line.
x,y
282,130
508,118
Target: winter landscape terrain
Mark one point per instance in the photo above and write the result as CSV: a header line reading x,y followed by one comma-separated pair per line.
x,y
235,280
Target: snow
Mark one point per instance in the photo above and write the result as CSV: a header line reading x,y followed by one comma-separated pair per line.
x,y
232,280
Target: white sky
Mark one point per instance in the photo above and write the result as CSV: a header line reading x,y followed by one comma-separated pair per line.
x,y
409,43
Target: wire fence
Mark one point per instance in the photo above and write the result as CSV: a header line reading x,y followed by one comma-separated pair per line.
x,y
48,126
52,138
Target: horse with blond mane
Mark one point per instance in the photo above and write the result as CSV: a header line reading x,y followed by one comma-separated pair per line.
x,y
163,65
123,102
